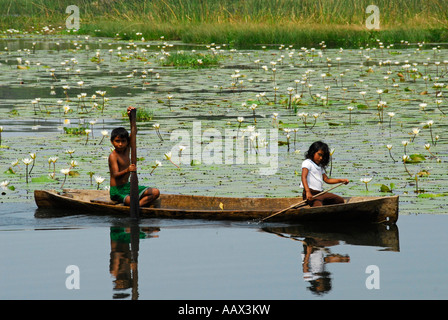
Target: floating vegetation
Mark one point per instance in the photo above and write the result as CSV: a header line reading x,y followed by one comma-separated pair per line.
x,y
190,60
357,100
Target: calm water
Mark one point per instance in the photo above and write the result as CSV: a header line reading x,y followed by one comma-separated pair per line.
x,y
43,257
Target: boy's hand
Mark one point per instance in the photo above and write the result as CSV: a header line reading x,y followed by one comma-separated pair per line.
x,y
345,181
132,168
129,109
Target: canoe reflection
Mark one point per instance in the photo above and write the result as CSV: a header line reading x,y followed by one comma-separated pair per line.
x,y
123,265
317,240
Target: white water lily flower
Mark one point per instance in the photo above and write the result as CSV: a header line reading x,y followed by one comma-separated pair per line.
x,y
99,179
4,184
65,171
366,179
27,161
73,163
66,108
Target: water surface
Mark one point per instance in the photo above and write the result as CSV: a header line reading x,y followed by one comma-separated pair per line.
x,y
203,260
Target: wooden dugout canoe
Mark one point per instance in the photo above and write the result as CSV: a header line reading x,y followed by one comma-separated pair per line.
x,y
356,209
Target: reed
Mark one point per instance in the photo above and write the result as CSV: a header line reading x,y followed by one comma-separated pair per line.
x,y
306,22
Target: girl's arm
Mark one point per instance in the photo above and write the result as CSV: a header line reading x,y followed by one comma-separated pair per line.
x,y
333,181
308,193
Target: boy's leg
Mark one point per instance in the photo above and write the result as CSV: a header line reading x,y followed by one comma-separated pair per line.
x,y
149,196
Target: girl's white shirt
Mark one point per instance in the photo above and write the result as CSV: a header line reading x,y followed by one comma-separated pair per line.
x,y
315,177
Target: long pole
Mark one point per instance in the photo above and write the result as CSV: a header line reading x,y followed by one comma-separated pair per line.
x,y
301,202
134,205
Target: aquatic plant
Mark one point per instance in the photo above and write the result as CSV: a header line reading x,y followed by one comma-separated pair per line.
x,y
87,132
350,109
366,180
389,147
33,158
155,166
156,126
168,157
99,180
253,107
65,172
27,162
104,134
405,159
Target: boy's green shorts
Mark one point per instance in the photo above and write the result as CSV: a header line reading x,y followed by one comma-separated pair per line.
x,y
119,193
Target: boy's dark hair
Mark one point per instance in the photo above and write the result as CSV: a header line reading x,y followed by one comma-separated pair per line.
x,y
119,132
316,146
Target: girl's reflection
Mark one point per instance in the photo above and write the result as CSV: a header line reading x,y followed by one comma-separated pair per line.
x,y
315,256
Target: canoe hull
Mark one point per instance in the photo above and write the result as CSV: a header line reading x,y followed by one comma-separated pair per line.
x,y
362,209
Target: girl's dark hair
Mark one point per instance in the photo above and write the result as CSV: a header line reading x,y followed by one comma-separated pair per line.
x,y
119,132
316,146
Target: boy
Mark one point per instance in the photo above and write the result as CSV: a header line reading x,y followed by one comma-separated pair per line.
x,y
120,168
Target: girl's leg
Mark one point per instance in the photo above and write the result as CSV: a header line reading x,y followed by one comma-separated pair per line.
x,y
325,199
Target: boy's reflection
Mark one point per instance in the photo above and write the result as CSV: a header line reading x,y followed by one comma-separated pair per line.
x,y
124,244
314,258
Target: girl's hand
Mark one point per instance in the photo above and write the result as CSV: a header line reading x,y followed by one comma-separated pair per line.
x,y
309,196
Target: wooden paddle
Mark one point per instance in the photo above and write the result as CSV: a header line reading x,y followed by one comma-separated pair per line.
x,y
134,205
301,203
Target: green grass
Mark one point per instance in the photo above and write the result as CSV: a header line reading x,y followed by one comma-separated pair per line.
x,y
242,23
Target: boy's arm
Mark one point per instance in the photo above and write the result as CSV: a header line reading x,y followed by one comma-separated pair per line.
x,y
129,115
333,181
115,170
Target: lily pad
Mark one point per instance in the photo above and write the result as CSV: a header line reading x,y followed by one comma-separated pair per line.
x,y
416,158
41,179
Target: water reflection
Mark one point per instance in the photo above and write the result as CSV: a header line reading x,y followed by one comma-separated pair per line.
x,y
123,266
320,244
317,239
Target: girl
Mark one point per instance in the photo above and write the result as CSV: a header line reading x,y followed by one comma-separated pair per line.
x,y
314,175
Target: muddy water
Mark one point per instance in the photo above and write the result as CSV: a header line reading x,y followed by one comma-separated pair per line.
x,y
220,158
